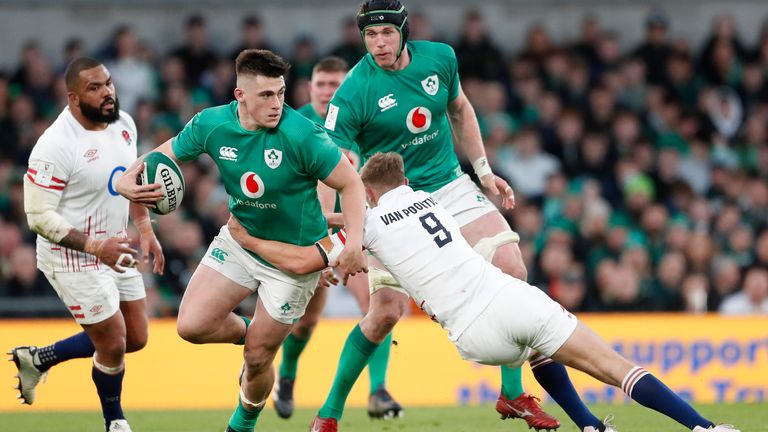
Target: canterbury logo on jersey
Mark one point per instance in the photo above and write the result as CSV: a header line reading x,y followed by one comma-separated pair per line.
x,y
387,102
219,255
228,153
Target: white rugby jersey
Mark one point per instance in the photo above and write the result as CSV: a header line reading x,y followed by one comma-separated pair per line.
x,y
421,244
81,167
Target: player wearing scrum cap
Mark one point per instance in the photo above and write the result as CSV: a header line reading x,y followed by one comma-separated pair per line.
x,y
82,245
405,96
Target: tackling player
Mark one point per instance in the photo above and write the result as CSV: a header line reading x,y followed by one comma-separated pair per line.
x,y
82,244
490,317
270,159
405,96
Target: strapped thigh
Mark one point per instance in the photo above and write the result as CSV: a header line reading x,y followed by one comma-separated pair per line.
x,y
487,246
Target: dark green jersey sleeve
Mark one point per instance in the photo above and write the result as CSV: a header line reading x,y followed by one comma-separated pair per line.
x,y
319,154
190,142
453,70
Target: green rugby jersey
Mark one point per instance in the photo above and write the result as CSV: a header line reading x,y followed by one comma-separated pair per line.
x,y
402,111
309,112
270,174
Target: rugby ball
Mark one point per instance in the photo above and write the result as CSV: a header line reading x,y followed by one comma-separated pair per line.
x,y
160,169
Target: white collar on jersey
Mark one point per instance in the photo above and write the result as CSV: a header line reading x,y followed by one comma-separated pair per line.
x,y
394,193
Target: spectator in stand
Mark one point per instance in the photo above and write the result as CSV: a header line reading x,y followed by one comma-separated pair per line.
x,y
130,73
195,53
721,56
571,291
726,277
351,48
220,86
421,28
761,249
695,291
681,79
753,297
667,291
589,32
752,89
537,44
252,36
24,279
656,48
526,165
477,53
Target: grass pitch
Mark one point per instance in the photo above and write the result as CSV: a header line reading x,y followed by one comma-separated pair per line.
x,y
628,418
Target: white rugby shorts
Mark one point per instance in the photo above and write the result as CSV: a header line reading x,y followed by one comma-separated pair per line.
x,y
93,296
464,200
519,320
285,296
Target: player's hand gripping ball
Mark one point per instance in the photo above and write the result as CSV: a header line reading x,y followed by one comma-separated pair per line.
x,y
160,169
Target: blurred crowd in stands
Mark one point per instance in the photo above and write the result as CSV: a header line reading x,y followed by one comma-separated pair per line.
x,y
641,172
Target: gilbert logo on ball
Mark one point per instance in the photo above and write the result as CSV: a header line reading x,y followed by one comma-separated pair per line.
x,y
252,185
419,119
160,169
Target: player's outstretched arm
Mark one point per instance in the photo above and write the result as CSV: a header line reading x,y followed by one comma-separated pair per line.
x,y
147,240
347,182
131,188
466,132
286,257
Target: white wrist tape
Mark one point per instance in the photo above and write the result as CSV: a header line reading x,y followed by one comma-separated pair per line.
x,y
40,207
125,260
482,167
332,246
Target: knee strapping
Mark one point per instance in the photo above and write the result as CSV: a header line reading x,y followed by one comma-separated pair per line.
x,y
487,246
245,401
378,278
106,369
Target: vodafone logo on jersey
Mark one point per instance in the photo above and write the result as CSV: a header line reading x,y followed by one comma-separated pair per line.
x,y
252,185
419,119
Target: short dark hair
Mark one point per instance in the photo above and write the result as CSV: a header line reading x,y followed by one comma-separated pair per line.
x,y
384,169
260,62
251,21
331,64
194,20
72,74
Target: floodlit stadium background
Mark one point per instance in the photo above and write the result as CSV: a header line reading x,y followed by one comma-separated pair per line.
x,y
640,175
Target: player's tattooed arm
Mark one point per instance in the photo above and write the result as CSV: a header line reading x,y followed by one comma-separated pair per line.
x,y
74,240
113,252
